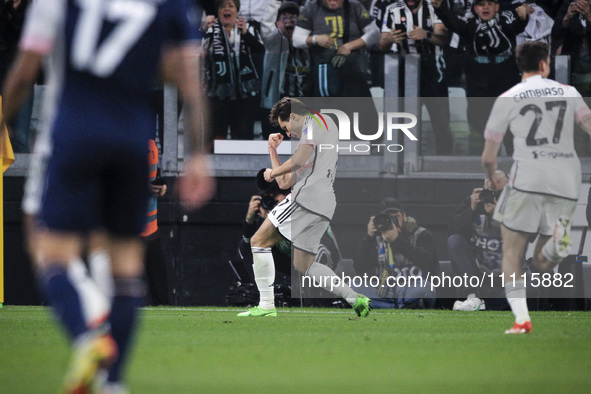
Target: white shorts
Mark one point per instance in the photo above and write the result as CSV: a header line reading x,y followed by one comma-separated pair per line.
x,y
531,212
302,227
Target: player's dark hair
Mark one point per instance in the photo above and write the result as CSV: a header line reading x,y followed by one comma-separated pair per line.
x,y
529,55
285,107
219,3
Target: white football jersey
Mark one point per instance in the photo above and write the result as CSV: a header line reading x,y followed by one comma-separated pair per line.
x,y
541,114
313,189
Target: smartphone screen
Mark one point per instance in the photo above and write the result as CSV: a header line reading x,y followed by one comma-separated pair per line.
x,y
400,26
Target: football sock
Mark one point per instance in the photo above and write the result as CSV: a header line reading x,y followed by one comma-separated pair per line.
x,y
516,297
59,292
550,253
99,265
128,297
323,275
95,305
264,276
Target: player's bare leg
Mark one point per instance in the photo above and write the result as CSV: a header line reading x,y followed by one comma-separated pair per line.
x,y
514,244
261,243
94,285
304,263
99,262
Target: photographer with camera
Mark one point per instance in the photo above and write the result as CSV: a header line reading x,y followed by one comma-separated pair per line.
x,y
258,208
475,246
396,246
245,291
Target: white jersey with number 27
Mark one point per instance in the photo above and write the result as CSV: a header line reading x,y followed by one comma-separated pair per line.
x,y
541,114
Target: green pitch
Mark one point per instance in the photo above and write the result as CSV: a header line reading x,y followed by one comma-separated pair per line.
x,y
207,350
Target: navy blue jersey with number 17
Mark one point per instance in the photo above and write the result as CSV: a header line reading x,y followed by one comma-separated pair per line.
x,y
106,54
102,59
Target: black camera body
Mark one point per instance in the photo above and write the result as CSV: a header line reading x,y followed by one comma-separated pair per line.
x,y
384,222
159,182
268,202
489,196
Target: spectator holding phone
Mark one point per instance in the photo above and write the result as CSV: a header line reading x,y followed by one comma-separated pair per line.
x,y
412,27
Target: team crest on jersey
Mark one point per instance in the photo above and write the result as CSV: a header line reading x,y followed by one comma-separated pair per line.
x,y
491,37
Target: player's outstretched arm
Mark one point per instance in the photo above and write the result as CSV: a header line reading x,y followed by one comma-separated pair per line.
x,y
181,65
284,181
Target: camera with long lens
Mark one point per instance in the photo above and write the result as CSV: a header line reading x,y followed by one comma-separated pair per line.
x,y
268,202
489,196
383,222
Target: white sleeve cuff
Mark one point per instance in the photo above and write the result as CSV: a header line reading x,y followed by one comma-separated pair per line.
x,y
371,34
299,37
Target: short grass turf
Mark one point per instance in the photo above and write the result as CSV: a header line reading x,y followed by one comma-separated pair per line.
x,y
209,350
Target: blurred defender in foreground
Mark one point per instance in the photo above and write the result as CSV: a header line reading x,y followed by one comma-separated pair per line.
x,y
103,58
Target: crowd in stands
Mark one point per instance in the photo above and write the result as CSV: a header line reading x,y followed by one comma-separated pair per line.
x,y
461,42
260,50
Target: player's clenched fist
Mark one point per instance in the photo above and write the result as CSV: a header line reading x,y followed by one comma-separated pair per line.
x,y
268,176
274,140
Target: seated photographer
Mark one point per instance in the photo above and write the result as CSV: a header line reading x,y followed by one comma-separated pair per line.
x,y
475,247
258,208
396,248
